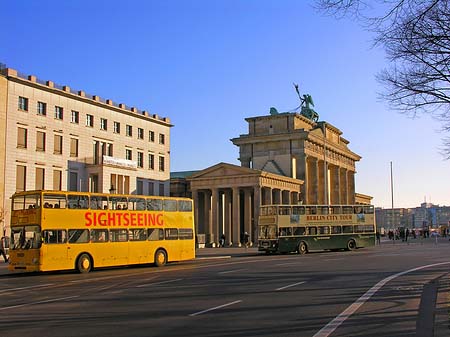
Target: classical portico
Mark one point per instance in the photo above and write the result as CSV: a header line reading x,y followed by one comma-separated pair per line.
x,y
227,200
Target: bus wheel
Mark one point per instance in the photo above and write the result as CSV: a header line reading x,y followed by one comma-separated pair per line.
x,y
302,248
351,245
84,263
160,258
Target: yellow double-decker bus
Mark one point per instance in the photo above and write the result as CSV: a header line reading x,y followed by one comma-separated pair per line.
x,y
303,228
54,230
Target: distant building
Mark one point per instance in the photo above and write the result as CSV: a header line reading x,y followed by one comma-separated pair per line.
x,y
427,216
57,138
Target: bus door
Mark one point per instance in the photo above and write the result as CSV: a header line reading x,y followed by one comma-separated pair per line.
x,y
55,249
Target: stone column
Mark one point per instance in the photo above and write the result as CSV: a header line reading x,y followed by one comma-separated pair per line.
x,y
313,181
256,208
215,204
335,185
321,183
351,187
248,214
207,217
236,226
303,174
343,186
228,217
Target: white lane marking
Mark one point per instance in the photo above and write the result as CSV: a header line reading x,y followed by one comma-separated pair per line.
x,y
156,283
290,285
39,302
230,271
286,264
215,308
26,288
328,329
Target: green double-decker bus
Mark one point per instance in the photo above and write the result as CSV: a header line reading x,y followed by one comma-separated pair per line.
x,y
305,228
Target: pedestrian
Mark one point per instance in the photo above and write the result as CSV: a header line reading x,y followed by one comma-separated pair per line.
x,y
222,241
378,238
246,239
3,249
406,234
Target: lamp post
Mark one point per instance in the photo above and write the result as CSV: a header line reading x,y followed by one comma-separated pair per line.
x,y
392,202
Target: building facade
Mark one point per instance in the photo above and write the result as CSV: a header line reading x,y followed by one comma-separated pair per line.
x,y
56,138
295,146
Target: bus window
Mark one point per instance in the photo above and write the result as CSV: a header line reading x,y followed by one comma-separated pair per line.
x,y
359,229
300,210
98,202
312,231
54,236
155,234
170,205
171,234
358,210
336,229
25,237
324,230
137,234
26,202
137,204
185,205
118,235
368,209
311,210
322,210
336,210
271,210
154,204
118,203
263,211
78,235
347,229
284,210
78,201
99,235
185,234
347,210
299,230
55,201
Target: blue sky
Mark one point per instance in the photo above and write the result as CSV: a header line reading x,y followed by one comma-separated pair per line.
x,y
209,64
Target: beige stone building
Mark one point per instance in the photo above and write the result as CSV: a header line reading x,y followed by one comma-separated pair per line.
x,y
289,144
56,138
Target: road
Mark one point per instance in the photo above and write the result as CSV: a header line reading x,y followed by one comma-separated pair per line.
x,y
389,290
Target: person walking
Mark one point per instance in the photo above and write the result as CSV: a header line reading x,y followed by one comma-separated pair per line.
x,y
246,240
378,238
3,249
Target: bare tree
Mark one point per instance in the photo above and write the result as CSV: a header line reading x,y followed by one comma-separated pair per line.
x,y
416,37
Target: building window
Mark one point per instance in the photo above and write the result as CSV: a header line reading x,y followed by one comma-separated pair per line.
x,y
162,139
73,147
128,154
58,112
161,164
116,127
57,180
90,120
139,187
22,135
42,108
40,141
140,133
40,178
21,174
129,131
57,148
161,189
23,103
103,124
151,161
140,159
75,117
151,136
151,188
73,181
